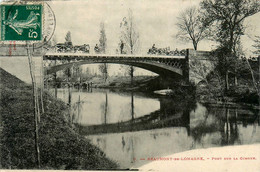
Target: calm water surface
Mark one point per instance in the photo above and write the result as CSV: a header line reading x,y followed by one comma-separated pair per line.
x,y
128,126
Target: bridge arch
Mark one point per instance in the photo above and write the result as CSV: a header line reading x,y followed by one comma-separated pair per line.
x,y
162,65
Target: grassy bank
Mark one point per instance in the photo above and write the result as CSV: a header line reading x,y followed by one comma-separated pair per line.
x,y
61,146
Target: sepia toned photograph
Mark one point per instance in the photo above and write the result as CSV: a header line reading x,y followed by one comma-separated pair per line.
x,y
131,85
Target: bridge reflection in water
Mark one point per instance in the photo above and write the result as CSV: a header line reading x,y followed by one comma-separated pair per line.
x,y
131,126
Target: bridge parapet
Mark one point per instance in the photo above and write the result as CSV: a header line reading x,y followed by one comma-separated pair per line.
x,y
89,55
198,54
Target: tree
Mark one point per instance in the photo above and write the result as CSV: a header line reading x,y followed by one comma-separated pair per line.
x,y
130,38
77,73
103,68
225,18
68,37
103,38
67,72
256,72
190,27
253,73
102,49
86,74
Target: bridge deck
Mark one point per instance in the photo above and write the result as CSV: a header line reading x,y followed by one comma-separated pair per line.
x,y
111,55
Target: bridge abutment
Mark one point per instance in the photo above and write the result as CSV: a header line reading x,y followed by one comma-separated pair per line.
x,y
199,65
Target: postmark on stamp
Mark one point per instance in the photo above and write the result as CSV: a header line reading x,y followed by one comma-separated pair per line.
x,y
21,22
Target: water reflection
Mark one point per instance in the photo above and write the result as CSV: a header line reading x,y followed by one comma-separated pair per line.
x,y
226,124
209,127
96,107
132,126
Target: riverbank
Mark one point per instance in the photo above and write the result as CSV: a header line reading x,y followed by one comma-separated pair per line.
x,y
160,86
124,82
243,95
229,158
61,147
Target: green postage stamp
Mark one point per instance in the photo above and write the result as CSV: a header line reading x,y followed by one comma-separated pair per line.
x,y
21,22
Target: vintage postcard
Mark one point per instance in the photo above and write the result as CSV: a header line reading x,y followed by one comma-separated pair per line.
x,y
130,85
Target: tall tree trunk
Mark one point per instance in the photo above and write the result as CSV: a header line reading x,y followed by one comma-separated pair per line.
x,y
78,118
132,74
69,75
55,82
226,82
195,44
132,105
105,72
106,108
42,84
132,68
69,99
253,78
235,80
37,149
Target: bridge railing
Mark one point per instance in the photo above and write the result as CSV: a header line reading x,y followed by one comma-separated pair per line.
x,y
60,54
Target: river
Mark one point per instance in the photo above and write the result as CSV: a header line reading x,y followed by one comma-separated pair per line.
x,y
132,126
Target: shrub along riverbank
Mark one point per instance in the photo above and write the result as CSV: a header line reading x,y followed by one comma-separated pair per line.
x,y
242,93
61,147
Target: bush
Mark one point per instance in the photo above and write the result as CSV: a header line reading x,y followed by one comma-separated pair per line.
x,y
251,98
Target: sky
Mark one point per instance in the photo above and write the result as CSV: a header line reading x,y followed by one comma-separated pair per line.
x,y
155,21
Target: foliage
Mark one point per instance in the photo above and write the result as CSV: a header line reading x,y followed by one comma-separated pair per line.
x,y
257,45
104,70
77,73
225,18
68,37
67,72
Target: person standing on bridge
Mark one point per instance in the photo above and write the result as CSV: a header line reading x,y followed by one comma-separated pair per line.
x,y
96,49
121,47
154,50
